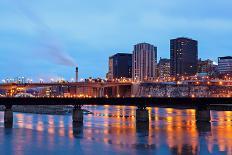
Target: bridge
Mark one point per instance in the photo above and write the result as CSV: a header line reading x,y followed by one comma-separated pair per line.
x,y
202,105
98,89
205,88
80,84
109,84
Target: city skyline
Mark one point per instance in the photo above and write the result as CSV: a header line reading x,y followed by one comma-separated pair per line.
x,y
115,77
24,51
72,75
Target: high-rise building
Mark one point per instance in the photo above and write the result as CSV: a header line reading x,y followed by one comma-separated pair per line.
x,y
120,66
184,56
144,61
225,65
164,68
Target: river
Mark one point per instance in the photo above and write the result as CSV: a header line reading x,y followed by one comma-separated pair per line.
x,y
113,130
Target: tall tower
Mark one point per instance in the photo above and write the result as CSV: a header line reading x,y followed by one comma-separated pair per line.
x,y
184,56
144,62
120,65
76,74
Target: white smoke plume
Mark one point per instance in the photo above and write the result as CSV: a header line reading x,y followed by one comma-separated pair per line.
x,y
49,44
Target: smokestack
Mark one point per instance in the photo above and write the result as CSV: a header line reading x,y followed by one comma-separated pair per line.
x,y
76,74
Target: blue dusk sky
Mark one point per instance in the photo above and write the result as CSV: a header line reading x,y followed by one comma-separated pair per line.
x,y
47,38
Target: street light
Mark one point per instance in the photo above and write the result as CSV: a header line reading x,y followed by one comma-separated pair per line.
x,y
178,82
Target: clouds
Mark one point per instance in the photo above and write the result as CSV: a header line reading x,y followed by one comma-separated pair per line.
x,y
89,31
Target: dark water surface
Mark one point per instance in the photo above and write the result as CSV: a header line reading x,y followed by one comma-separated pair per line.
x,y
113,130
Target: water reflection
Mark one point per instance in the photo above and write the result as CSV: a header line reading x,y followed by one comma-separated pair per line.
x,y
8,125
203,128
114,130
142,128
77,129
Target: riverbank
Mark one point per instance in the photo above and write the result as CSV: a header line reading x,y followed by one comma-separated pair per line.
x,y
44,109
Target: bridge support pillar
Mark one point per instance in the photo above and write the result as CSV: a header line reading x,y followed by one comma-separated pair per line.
x,y
8,116
77,114
203,114
142,115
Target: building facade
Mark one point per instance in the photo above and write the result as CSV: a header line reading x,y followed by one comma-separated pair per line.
x,y
225,65
164,68
184,56
144,62
206,67
120,66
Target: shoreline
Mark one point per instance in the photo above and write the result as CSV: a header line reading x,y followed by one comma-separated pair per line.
x,y
44,109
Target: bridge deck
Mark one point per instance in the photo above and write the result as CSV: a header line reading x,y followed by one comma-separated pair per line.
x,y
178,103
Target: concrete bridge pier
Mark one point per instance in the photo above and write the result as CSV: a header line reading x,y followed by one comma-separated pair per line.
x,y
203,114
142,114
77,114
8,116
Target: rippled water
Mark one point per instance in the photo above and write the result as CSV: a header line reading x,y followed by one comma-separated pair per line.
x,y
113,130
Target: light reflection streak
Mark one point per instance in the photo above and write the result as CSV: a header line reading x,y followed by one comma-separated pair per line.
x,y
175,128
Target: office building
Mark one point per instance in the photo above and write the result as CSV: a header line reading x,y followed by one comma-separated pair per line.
x,y
144,61
184,56
225,65
205,67
164,68
120,66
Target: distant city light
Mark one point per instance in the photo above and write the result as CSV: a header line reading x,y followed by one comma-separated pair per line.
x,y
72,79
